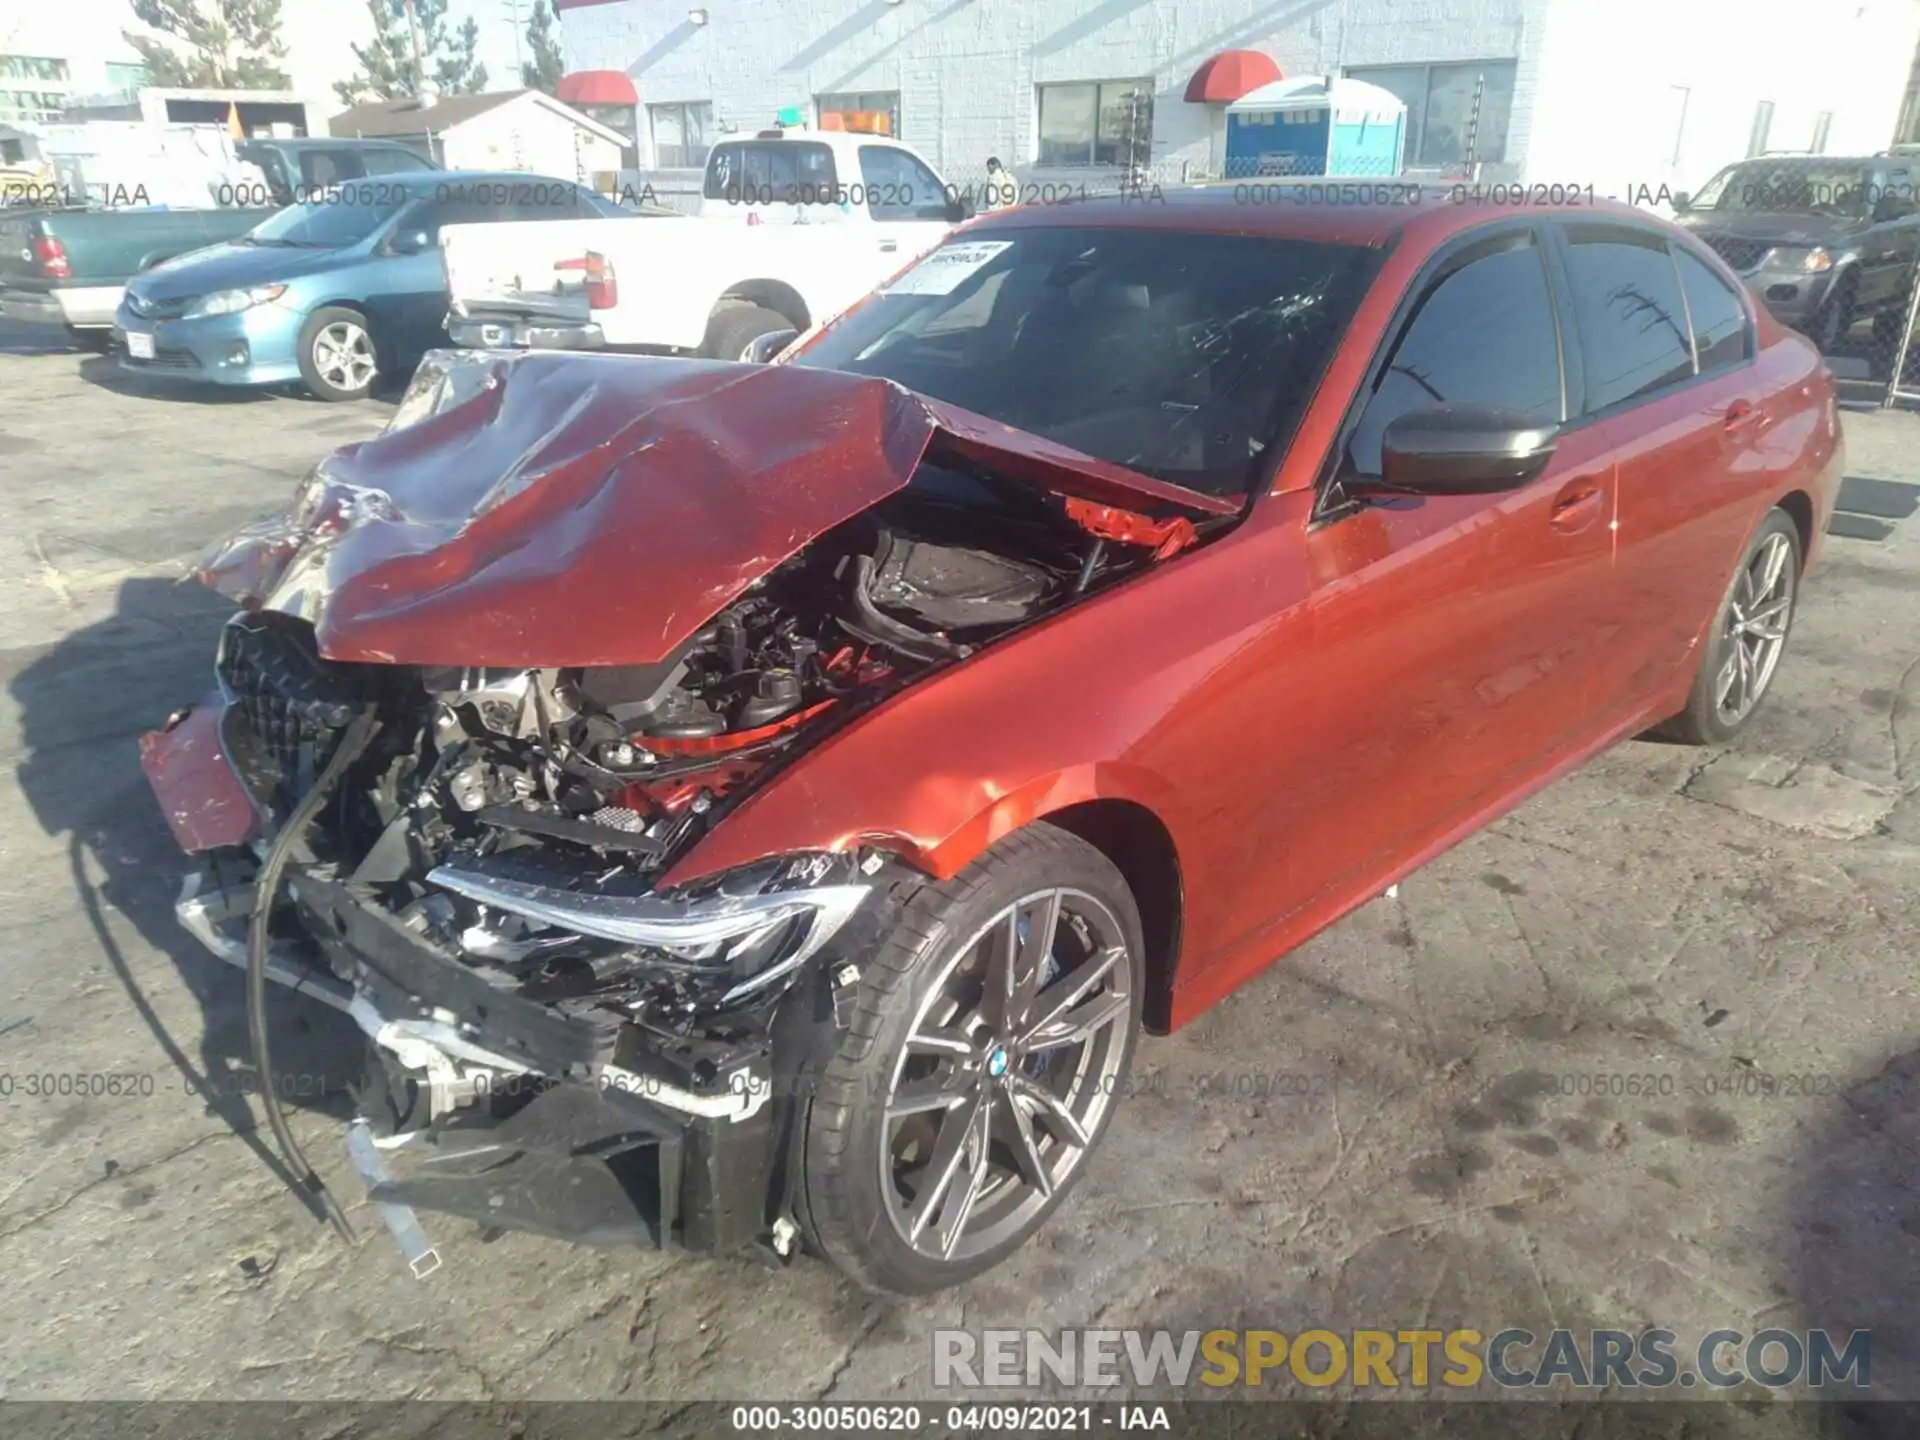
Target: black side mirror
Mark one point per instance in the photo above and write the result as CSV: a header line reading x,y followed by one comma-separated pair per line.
x,y
1682,202
759,351
1891,207
959,208
1465,450
411,242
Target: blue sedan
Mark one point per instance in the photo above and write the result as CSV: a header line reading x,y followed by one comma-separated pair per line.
x,y
331,293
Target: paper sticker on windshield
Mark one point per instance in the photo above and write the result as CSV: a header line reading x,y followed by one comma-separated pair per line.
x,y
942,272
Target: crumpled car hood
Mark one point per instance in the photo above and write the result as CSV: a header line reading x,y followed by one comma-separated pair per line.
x,y
546,509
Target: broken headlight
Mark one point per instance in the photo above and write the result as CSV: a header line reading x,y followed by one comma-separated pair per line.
x,y
744,929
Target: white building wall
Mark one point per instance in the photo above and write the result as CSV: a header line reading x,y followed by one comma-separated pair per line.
x,y
526,135
966,69
1613,77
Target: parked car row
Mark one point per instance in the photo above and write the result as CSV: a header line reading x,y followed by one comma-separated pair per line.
x,y
762,806
358,281
69,265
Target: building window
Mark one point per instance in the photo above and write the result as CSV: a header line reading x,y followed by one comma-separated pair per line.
x,y
34,106
31,67
1762,127
680,134
865,104
128,77
1822,123
1108,123
1456,114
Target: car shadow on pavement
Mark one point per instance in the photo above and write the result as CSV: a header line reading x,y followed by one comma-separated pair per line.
x,y
82,705
1849,1252
106,372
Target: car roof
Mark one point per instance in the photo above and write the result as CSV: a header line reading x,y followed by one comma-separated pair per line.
x,y
1791,157
327,142
839,141
1372,213
430,180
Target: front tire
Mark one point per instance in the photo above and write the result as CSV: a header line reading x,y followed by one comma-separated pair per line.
x,y
990,1041
1749,636
338,359
733,327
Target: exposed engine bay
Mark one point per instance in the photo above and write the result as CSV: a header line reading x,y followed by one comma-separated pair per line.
x,y
546,775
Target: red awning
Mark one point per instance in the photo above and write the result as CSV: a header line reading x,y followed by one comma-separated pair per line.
x,y
1229,75
598,87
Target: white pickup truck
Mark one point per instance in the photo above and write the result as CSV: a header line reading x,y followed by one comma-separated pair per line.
x,y
794,226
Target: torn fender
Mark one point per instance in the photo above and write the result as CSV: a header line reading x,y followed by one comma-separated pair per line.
x,y
546,509
200,793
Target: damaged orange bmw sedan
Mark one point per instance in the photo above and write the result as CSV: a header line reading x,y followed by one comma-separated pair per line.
x,y
760,806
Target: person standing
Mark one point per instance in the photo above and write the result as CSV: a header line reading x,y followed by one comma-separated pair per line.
x,y
1001,191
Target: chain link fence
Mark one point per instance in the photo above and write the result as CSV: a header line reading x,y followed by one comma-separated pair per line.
x,y
1863,320
1859,311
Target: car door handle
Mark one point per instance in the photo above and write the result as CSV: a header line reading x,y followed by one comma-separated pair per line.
x,y
1577,506
889,245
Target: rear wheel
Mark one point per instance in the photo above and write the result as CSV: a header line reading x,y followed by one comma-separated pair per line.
x,y
990,1042
337,356
1749,636
734,327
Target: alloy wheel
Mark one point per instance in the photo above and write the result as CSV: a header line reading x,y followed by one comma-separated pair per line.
x,y
1008,1070
343,356
1755,632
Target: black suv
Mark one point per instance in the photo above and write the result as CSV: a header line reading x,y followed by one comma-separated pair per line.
x,y
1823,240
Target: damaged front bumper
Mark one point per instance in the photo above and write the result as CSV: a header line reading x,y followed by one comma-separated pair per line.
x,y
494,1108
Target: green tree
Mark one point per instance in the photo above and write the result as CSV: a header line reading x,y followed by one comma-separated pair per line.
x,y
213,44
387,69
543,72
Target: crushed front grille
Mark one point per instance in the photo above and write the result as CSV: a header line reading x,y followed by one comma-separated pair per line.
x,y
294,704
1742,255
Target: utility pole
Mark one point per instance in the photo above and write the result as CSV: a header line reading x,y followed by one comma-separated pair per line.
x,y
419,65
512,7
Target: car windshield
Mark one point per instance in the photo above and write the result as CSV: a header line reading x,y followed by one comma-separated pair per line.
x,y
1187,357
344,215
1789,187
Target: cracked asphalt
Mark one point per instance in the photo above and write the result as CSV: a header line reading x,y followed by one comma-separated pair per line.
x,y
1389,1128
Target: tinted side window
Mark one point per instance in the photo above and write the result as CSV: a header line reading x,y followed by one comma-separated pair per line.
x,y
393,162
899,187
330,167
1484,335
272,168
1719,317
1633,334
771,172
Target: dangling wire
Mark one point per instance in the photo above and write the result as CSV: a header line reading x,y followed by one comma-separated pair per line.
x,y
359,734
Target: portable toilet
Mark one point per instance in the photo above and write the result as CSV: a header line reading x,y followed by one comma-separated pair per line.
x,y
1316,125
